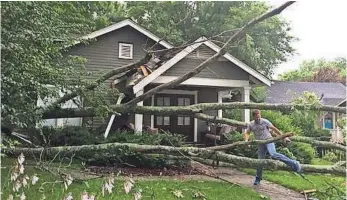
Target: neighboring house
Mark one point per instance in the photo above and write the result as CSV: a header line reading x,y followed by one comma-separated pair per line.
x,y
332,94
124,42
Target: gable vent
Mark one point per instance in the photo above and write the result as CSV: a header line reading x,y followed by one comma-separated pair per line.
x,y
125,51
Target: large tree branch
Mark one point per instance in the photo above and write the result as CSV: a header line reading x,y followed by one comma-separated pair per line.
x,y
188,110
230,146
97,82
90,150
328,145
204,64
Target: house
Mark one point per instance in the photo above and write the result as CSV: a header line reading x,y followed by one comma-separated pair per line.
x,y
332,94
124,42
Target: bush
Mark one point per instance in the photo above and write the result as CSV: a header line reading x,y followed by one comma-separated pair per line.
x,y
168,139
331,156
69,135
302,151
241,150
283,122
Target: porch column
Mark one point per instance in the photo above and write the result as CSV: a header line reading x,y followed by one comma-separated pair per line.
x,y
139,117
220,100
334,121
245,93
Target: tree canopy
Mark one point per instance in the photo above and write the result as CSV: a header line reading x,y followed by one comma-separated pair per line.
x,y
320,70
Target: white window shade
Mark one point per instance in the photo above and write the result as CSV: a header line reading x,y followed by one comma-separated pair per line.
x,y
125,51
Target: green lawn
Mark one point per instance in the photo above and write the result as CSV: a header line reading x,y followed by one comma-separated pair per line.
x,y
293,181
159,189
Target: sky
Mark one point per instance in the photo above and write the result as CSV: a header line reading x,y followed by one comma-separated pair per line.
x,y
320,27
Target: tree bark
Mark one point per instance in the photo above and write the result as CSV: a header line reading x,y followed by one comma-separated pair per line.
x,y
221,52
230,146
188,110
328,145
92,150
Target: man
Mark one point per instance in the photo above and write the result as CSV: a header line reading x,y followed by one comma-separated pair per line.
x,y
261,129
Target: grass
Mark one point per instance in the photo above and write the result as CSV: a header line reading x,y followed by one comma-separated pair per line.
x,y
293,181
159,189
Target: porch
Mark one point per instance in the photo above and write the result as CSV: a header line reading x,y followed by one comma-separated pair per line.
x,y
193,91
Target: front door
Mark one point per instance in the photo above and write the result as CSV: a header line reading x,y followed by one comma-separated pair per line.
x,y
175,124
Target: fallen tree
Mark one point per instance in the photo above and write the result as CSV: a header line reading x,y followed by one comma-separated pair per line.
x,y
87,151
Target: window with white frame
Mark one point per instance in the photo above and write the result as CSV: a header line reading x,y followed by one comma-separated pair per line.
x,y
125,51
163,120
183,120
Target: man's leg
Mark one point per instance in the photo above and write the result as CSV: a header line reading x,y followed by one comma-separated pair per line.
x,y
261,155
291,163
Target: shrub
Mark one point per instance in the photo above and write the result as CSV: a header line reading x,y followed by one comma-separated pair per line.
x,y
283,122
69,135
331,156
302,151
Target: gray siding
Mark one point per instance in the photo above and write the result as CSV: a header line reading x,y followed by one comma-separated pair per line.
x,y
221,69
102,56
206,95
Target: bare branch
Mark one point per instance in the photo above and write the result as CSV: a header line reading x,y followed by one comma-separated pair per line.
x,y
204,64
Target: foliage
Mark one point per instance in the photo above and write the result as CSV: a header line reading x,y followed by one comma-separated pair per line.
x,y
331,156
235,114
312,70
304,119
303,152
34,37
258,94
341,123
283,122
240,150
265,46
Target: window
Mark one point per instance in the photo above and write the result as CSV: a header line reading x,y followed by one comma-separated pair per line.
x,y
163,120
183,120
125,51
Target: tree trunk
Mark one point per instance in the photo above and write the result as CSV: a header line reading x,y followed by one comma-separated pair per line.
x,y
94,150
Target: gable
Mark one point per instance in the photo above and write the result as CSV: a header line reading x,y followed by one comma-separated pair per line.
x,y
192,51
102,54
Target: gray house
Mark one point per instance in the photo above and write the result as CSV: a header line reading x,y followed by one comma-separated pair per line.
x,y
124,42
333,94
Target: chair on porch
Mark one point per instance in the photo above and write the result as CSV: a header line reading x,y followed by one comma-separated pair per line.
x,y
215,134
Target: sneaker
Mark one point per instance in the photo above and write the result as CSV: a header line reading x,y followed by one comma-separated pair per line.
x,y
257,181
297,167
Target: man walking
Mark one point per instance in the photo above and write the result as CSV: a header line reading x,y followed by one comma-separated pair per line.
x,y
261,129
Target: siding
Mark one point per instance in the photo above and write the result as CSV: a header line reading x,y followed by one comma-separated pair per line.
x,y
102,56
221,69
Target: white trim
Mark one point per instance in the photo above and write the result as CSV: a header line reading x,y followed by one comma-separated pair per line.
x,y
188,50
139,117
152,116
220,100
341,102
246,98
195,93
120,47
165,67
122,24
196,81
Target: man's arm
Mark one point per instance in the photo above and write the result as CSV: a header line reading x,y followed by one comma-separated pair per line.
x,y
278,132
247,134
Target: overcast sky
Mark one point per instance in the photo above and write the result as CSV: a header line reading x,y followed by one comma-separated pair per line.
x,y
321,29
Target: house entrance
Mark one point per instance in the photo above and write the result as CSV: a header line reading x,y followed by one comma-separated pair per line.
x,y
175,124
